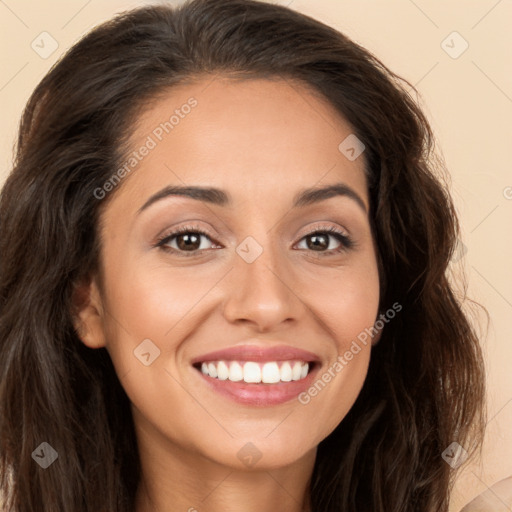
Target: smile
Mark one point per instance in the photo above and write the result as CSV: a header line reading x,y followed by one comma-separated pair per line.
x,y
256,372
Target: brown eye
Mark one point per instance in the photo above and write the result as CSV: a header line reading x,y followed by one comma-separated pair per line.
x,y
188,241
185,241
318,241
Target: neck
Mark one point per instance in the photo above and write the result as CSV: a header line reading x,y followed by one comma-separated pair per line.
x,y
177,480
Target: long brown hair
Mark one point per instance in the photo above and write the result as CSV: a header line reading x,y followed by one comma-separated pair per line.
x,y
425,385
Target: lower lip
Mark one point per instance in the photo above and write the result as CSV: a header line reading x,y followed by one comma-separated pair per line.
x,y
262,395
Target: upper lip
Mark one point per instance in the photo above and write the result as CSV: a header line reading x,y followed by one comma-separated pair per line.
x,y
258,353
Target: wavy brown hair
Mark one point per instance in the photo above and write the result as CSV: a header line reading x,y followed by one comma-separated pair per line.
x,y
425,385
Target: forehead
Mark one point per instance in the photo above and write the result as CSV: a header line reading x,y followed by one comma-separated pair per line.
x,y
259,136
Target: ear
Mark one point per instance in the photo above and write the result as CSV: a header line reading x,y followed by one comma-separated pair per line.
x,y
376,338
88,313
379,330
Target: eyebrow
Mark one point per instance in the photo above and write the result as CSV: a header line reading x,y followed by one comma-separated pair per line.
x,y
219,197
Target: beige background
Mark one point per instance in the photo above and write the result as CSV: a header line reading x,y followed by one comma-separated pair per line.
x,y
468,100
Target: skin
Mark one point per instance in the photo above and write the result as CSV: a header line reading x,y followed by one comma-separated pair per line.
x,y
493,499
262,142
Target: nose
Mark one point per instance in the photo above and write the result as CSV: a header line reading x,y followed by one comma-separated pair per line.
x,y
262,293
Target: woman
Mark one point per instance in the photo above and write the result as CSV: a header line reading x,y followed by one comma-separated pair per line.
x,y
217,213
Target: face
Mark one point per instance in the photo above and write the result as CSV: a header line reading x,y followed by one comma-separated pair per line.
x,y
267,279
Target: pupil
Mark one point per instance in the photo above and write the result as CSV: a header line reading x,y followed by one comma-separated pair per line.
x,y
187,243
315,244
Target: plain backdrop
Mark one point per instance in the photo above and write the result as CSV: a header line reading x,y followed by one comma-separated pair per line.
x,y
458,54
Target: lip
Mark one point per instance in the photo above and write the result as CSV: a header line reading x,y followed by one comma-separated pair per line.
x,y
259,395
258,353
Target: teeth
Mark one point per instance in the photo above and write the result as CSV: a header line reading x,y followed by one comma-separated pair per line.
x,y
212,370
222,371
296,371
252,372
286,372
270,373
236,372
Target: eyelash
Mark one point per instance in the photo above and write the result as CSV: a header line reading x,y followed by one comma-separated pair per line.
x,y
346,242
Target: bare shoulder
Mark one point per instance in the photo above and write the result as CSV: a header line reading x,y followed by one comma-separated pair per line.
x,y
497,498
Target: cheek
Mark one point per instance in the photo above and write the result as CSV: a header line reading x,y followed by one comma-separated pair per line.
x,y
350,313
156,305
336,387
145,302
346,302
151,302
346,306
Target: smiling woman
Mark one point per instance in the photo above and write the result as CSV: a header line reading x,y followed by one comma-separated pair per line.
x,y
224,277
